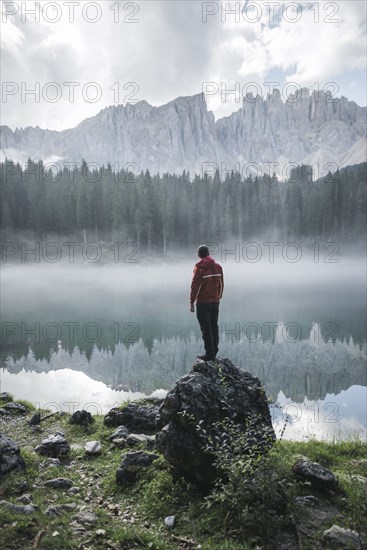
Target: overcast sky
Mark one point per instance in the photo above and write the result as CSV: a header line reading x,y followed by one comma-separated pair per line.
x,y
159,50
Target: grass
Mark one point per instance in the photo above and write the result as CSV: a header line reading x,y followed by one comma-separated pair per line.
x,y
27,404
10,398
133,517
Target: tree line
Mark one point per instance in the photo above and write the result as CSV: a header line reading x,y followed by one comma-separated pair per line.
x,y
160,212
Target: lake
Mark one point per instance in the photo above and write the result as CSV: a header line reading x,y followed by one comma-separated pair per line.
x,y
92,335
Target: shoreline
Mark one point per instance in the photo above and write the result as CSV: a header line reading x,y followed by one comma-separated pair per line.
x,y
134,516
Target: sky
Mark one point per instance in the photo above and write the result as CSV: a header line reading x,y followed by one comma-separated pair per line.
x,y
80,57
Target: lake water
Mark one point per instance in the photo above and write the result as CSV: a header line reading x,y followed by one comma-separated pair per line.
x,y
93,335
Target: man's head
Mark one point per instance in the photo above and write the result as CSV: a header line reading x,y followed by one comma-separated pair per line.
x,y
203,251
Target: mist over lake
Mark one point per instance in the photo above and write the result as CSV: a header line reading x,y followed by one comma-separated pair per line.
x,y
94,333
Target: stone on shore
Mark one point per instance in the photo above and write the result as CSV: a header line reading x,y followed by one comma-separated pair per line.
x,y
10,458
59,483
319,476
93,448
17,508
137,417
81,418
53,446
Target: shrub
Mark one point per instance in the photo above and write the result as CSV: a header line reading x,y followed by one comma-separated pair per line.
x,y
249,494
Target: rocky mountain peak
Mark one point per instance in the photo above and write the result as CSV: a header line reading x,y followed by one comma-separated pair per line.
x,y
307,127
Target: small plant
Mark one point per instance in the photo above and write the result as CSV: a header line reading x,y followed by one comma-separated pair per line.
x,y
27,404
248,493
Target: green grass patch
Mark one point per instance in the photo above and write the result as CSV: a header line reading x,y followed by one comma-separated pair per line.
x,y
9,397
229,521
27,404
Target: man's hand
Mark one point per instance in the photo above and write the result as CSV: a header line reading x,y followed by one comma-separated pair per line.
x,y
192,308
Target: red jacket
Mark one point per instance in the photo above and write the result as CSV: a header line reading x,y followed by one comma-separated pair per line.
x,y
207,281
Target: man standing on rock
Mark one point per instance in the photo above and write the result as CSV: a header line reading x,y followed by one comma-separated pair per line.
x,y
207,289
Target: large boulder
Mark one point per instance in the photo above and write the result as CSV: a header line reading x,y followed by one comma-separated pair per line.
x,y
10,458
211,393
319,476
138,417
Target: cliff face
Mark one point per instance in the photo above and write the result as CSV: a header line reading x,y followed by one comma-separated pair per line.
x,y
313,128
183,134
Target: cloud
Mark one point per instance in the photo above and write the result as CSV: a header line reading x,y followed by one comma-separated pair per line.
x,y
171,52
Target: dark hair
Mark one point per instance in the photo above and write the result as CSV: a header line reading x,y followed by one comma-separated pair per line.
x,y
203,251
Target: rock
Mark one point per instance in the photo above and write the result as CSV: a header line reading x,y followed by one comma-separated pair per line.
x,y
86,518
22,486
131,464
210,393
78,530
15,408
59,483
54,446
81,418
25,499
147,441
120,442
320,477
55,511
5,396
121,431
338,537
137,417
183,134
53,462
100,532
52,511
68,506
93,448
10,458
74,490
36,419
3,412
360,480
170,521
306,500
18,508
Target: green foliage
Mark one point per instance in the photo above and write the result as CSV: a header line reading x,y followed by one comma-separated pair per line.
x,y
158,492
9,397
356,503
212,544
249,490
243,511
27,404
331,454
133,538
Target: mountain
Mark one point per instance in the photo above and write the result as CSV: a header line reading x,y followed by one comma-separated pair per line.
x,y
183,134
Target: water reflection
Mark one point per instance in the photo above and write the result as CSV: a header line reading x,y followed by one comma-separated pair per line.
x,y
336,417
308,368
147,338
67,390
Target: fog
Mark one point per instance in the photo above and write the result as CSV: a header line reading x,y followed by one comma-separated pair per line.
x,y
158,292
126,327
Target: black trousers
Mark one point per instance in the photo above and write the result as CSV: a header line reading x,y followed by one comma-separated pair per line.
x,y
207,314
